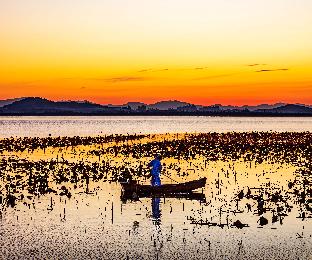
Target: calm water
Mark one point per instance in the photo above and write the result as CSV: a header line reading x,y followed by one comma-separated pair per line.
x,y
96,222
70,126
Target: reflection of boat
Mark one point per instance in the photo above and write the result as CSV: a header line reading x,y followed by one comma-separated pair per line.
x,y
189,196
133,188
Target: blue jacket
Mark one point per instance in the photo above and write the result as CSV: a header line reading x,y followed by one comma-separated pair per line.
x,y
156,169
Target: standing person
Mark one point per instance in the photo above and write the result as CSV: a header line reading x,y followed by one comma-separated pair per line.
x,y
155,171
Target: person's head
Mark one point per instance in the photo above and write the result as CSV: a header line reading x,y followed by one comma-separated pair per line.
x,y
158,157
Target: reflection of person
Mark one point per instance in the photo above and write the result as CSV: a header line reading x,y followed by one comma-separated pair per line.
x,y
157,234
155,171
155,208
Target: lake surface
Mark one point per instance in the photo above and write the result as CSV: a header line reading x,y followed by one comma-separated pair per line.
x,y
85,126
60,198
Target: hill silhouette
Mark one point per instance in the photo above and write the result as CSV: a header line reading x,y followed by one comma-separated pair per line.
x,y
288,109
42,106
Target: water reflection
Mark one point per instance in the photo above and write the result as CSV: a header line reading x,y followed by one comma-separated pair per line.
x,y
188,196
156,213
156,219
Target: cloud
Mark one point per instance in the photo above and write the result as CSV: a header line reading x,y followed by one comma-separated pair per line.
x,y
35,83
120,79
271,70
152,70
172,69
160,70
256,64
196,68
144,70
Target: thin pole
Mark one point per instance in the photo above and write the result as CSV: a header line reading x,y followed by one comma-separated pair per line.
x,y
170,178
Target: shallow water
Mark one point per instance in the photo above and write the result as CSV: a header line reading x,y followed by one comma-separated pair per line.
x,y
100,225
97,222
90,228
85,126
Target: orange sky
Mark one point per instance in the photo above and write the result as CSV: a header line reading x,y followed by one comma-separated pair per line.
x,y
201,51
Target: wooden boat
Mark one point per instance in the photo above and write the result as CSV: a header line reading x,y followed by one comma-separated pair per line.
x,y
133,188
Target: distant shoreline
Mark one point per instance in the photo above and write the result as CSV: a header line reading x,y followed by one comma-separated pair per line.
x,y
168,113
37,106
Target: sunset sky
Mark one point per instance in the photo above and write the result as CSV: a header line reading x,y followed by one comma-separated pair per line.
x,y
200,51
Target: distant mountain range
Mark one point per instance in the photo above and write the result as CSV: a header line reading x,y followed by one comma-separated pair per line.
x,y
161,105
41,106
8,101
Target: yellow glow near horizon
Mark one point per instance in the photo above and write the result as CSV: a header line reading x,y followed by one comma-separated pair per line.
x,y
115,51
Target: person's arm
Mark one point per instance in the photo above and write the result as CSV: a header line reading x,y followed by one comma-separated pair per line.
x,y
151,164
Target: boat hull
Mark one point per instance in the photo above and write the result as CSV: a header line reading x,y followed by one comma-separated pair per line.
x,y
147,190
